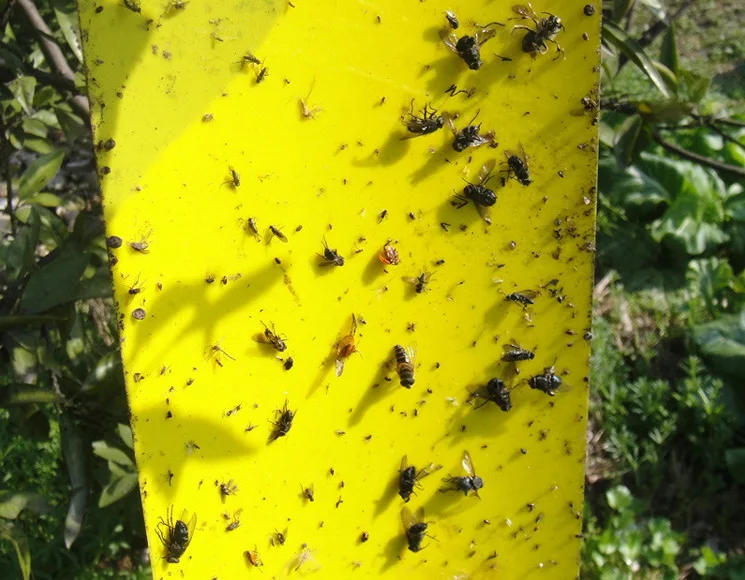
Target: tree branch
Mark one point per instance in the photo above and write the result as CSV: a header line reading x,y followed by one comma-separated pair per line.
x,y
53,54
703,160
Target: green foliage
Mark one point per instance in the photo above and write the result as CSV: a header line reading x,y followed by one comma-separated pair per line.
x,y
626,545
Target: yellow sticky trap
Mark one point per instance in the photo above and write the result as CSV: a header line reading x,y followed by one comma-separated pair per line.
x,y
246,150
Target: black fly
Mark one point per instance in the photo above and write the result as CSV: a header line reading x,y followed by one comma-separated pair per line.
x,y
469,136
470,483
283,423
428,122
469,47
409,477
517,165
330,257
513,353
481,196
496,392
177,536
548,382
414,527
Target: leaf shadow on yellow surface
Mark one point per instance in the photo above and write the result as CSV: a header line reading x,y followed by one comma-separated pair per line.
x,y
378,389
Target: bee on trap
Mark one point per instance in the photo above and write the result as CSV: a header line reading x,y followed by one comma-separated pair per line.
x,y
469,136
235,178
215,352
468,47
227,488
414,527
271,337
420,282
517,165
428,122
496,392
405,364
309,492
470,483
513,353
330,257
177,536
283,423
346,347
548,382
409,477
276,232
481,196
525,297
279,538
546,29
389,255
253,557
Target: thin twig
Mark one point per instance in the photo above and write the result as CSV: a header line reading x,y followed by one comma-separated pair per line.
x,y
703,160
5,151
731,122
53,53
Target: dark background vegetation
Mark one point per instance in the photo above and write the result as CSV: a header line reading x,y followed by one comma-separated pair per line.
x,y
666,444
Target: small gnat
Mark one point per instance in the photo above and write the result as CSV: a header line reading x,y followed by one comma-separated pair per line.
x,y
453,401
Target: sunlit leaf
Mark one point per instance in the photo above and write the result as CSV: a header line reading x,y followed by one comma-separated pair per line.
x,y
105,451
22,394
125,434
55,283
68,22
13,503
23,89
40,172
628,144
669,49
120,484
623,42
75,452
15,536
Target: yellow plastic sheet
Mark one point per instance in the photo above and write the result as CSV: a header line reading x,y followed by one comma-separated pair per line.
x,y
215,117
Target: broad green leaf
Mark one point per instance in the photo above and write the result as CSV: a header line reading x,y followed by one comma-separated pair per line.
x,y
10,60
35,127
23,394
75,453
15,536
723,343
37,145
708,278
621,8
72,125
40,172
17,322
20,254
120,484
735,459
23,89
125,434
105,451
636,54
68,21
735,208
13,503
45,199
619,498
108,365
55,283
628,144
696,85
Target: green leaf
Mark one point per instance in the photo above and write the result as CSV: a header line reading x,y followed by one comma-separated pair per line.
x,y
629,144
635,53
19,256
735,459
72,125
619,498
12,504
125,434
55,283
108,366
120,484
35,127
45,199
723,343
621,8
40,172
23,89
105,451
15,536
75,452
669,49
68,22
696,85
23,394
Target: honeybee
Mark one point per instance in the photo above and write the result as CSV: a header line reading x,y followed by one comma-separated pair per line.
x,y
469,136
546,29
345,347
271,337
420,282
177,536
481,196
428,122
405,364
517,165
513,353
470,483
283,423
215,351
409,477
414,527
389,255
469,47
330,257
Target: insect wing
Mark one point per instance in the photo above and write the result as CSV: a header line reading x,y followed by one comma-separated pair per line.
x,y
484,35
486,170
484,213
409,519
353,329
404,463
428,470
468,464
411,353
532,294
339,365
525,10
450,40
191,525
